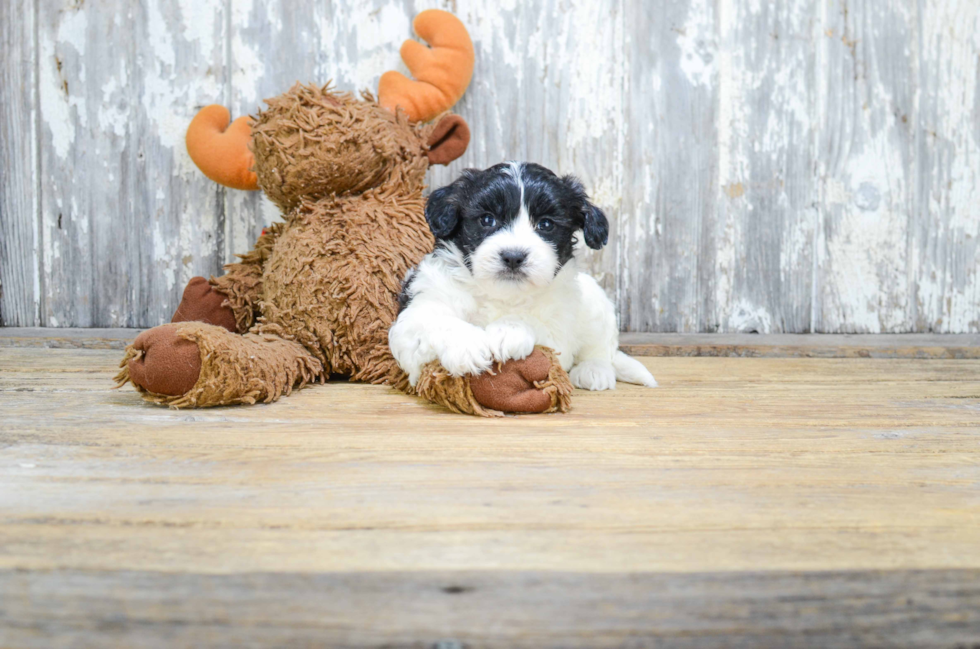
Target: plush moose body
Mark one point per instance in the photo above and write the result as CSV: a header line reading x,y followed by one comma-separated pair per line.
x,y
317,294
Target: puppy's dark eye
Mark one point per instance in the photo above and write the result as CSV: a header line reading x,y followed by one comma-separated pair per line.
x,y
487,221
545,225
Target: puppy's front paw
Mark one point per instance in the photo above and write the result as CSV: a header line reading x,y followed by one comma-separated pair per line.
x,y
510,340
593,375
467,353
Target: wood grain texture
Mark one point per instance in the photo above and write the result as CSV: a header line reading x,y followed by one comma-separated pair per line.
x,y
745,502
672,138
448,610
756,266
918,346
126,218
793,168
945,228
19,272
865,166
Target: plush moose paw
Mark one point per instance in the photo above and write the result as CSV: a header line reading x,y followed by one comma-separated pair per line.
x,y
164,363
201,303
530,385
198,365
512,386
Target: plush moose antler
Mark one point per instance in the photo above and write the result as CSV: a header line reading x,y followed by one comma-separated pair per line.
x,y
221,151
442,72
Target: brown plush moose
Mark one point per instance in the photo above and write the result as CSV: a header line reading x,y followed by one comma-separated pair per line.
x,y
317,294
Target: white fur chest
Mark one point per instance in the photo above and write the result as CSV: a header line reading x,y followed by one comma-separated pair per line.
x,y
552,313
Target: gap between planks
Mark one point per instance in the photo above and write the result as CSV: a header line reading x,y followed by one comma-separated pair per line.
x,y
919,346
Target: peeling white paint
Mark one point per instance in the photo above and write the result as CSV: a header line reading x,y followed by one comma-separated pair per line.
x,y
197,21
698,43
163,257
114,115
56,115
749,318
59,57
946,255
73,31
597,112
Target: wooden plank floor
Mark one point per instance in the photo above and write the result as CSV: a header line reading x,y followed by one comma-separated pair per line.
x,y
746,502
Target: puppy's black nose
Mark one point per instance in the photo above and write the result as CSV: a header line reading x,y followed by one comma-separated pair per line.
x,y
513,258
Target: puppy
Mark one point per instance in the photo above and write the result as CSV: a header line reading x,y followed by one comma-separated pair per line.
x,y
503,278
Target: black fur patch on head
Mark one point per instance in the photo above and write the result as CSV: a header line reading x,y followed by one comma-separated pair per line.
x,y
405,295
593,221
462,212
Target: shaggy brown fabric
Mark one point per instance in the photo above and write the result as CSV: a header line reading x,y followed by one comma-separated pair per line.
x,y
311,143
233,368
333,280
350,175
242,282
201,303
535,384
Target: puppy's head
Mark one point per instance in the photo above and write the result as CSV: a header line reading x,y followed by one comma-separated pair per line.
x,y
515,223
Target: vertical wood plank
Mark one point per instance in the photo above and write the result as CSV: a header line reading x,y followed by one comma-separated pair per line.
x,y
187,63
272,44
671,163
19,273
125,216
575,95
865,166
945,248
548,87
757,248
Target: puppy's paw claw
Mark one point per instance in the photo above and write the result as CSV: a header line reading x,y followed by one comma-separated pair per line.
x,y
510,341
470,355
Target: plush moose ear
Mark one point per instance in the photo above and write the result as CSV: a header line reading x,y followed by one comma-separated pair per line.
x,y
441,212
595,227
448,140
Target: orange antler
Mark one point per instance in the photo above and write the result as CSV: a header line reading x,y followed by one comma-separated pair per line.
x,y
442,72
221,151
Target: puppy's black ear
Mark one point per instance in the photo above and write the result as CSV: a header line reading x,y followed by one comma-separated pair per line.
x,y
441,212
596,228
594,225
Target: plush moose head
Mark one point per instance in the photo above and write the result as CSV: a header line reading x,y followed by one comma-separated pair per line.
x,y
313,142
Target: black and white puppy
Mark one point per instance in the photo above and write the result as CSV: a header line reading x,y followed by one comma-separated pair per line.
x,y
503,278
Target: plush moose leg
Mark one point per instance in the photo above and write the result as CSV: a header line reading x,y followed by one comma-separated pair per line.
x,y
242,282
202,303
536,384
195,365
232,300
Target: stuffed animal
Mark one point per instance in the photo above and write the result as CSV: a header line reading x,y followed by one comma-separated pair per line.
x,y
317,294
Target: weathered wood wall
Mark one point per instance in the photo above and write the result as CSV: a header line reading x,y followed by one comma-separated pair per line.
x,y
795,166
